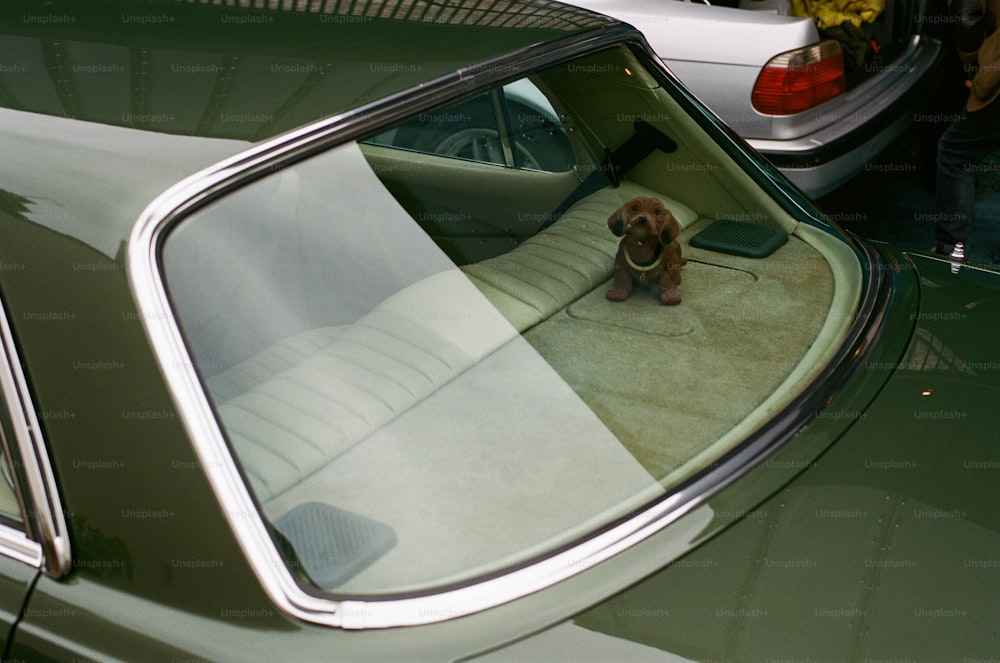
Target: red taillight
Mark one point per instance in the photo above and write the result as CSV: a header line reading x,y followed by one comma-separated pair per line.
x,y
799,80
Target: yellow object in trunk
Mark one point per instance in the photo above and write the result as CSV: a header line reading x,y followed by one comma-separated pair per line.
x,y
831,13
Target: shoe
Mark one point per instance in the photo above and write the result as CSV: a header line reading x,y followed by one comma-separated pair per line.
x,y
954,252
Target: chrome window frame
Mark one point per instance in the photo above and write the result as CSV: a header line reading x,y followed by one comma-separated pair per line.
x,y
194,407
44,541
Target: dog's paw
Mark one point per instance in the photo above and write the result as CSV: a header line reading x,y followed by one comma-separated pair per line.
x,y
671,298
617,294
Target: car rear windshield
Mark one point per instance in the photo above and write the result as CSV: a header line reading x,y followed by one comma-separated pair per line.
x,y
434,362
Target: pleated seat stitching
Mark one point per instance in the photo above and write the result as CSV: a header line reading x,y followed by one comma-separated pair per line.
x,y
515,277
361,388
562,265
388,378
349,411
261,446
265,396
377,330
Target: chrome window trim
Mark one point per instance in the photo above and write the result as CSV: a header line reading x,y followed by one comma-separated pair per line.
x,y
17,545
208,439
46,518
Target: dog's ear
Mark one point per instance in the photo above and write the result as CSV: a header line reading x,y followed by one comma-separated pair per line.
x,y
616,223
669,228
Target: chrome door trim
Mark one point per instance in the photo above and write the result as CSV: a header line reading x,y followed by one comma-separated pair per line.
x,y
41,502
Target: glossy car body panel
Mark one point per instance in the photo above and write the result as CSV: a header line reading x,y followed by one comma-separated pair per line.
x,y
694,32
883,547
194,101
879,548
16,582
157,572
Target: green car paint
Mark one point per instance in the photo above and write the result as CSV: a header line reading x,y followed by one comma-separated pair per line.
x,y
884,547
869,535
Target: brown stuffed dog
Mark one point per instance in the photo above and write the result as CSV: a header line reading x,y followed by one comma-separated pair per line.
x,y
649,251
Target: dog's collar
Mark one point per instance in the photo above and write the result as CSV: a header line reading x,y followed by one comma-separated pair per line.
x,y
649,266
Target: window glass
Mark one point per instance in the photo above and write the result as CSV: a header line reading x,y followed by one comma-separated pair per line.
x,y
416,355
514,126
10,508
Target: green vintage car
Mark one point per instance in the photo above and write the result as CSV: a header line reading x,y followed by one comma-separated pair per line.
x,y
307,356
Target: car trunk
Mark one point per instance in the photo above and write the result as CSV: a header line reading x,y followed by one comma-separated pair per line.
x,y
887,37
880,36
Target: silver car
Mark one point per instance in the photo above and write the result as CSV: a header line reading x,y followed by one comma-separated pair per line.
x,y
817,110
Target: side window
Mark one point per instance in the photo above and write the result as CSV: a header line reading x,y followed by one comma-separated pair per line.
x,y
513,126
10,508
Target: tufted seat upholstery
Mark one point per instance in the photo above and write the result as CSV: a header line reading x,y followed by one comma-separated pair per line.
x,y
302,402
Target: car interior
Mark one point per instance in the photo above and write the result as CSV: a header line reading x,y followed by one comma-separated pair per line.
x,y
407,342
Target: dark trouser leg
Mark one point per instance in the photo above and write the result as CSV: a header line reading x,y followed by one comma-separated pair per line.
x,y
960,150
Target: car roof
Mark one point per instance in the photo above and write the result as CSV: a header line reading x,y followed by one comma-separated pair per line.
x,y
106,104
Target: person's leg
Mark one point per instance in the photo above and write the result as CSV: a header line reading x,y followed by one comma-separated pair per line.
x,y
960,149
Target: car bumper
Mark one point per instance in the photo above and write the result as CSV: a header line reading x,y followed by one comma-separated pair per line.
x,y
864,123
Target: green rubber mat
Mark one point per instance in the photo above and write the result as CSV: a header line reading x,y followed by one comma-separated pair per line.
x,y
740,239
333,545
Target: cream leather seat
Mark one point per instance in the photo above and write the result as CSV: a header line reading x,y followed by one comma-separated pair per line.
x,y
299,404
